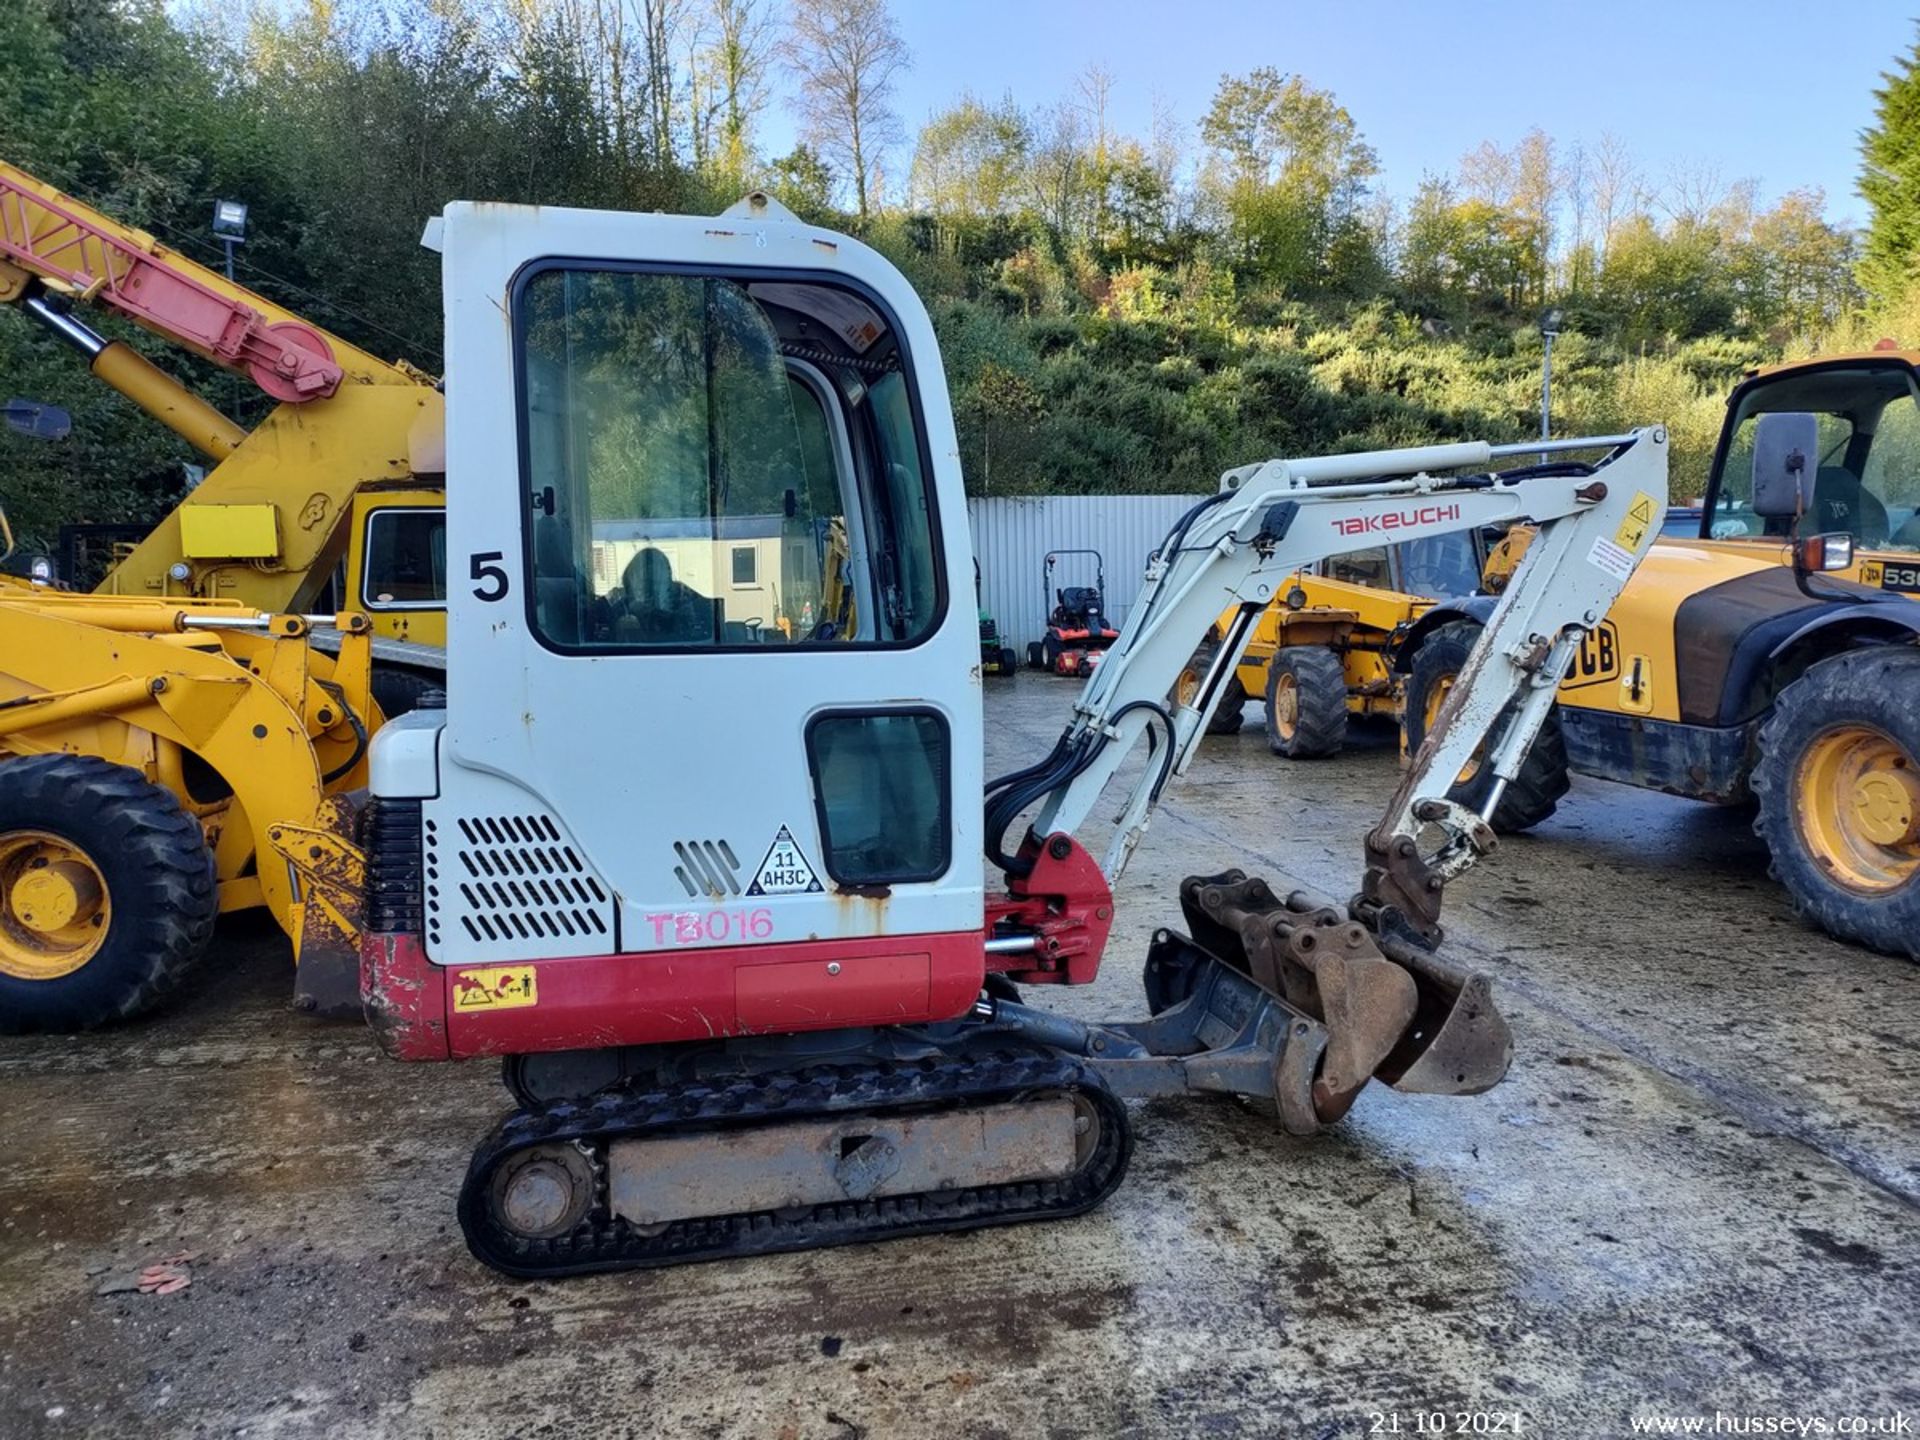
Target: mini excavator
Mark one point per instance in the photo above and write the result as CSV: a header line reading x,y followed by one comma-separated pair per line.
x,y
708,886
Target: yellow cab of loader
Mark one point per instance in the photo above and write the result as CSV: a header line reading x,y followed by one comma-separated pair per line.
x,y
1768,661
1322,652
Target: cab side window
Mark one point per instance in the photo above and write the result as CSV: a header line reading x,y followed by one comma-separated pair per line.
x,y
690,478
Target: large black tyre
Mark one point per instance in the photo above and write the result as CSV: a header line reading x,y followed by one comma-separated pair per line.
x,y
1838,785
1306,702
138,884
1535,792
1036,655
1227,715
398,692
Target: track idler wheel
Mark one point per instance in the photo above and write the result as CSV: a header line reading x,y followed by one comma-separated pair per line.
x,y
544,1192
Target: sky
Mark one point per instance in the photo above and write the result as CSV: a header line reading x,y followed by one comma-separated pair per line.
x,y
1772,90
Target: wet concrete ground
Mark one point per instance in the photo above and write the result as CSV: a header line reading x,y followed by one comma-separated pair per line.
x,y
1699,1191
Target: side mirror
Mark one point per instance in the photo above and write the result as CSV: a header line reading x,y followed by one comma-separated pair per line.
x,y
1786,457
38,421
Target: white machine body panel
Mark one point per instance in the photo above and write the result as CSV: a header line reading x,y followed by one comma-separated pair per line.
x,y
643,674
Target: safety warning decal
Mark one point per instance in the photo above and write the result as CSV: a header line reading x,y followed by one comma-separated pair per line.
x,y
1639,520
785,871
499,987
1612,558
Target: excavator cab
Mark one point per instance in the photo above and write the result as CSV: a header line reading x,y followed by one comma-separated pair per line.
x,y
662,757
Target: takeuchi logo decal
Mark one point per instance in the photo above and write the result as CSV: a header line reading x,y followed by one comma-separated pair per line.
x,y
1397,520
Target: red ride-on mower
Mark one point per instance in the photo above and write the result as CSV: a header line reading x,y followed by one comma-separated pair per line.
x,y
1077,628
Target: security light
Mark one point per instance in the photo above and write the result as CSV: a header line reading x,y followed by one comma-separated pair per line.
x,y
230,219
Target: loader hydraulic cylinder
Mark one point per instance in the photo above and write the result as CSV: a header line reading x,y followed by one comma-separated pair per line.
x,y
145,384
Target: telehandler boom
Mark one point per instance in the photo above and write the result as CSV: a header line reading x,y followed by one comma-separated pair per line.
x,y
709,887
347,466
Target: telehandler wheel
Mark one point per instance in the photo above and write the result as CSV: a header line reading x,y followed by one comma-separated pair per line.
x,y
1227,715
1838,781
107,893
1535,792
1306,702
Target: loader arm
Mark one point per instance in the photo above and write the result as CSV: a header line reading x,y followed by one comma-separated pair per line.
x,y
1268,521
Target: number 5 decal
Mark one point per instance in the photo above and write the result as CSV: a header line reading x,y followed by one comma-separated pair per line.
x,y
493,577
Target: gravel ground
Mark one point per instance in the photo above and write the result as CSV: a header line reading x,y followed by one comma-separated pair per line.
x,y
1697,1192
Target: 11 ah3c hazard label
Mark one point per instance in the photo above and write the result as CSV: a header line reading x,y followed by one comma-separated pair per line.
x,y
785,871
499,987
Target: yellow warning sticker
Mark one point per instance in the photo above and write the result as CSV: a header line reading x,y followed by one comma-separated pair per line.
x,y
1639,520
499,987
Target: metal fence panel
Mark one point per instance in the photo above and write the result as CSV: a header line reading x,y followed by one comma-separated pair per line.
x,y
1013,533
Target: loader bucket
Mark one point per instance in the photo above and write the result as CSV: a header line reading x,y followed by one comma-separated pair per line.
x,y
1392,1011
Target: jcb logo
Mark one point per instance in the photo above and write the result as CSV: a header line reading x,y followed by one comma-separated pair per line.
x,y
1598,658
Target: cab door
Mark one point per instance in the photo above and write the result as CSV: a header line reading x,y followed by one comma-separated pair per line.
x,y
713,684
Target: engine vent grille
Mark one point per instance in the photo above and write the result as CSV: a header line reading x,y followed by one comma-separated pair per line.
x,y
707,867
512,885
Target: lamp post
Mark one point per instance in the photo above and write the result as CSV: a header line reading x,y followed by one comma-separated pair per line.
x,y
1549,327
230,227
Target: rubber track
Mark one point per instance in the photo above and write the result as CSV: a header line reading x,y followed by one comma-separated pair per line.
x,y
604,1242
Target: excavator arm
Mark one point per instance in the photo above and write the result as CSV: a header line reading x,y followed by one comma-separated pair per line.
x,y
1285,996
1268,521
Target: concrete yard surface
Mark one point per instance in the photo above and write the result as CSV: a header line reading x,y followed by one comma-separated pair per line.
x,y
1698,1192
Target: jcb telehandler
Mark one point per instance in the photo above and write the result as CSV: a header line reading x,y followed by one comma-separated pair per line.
x,y
712,889
1731,671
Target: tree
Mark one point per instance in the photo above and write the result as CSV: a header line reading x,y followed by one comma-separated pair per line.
x,y
1616,187
1890,183
730,64
1294,168
969,161
802,182
847,56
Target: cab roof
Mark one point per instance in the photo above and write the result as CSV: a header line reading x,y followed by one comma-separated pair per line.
x,y
1806,362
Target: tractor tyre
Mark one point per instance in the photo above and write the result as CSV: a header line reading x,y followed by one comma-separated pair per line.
x,y
399,692
1036,655
1227,716
1009,662
1306,702
1535,792
1838,781
107,893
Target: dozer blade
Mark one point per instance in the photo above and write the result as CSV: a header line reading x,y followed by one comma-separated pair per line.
x,y
1391,1010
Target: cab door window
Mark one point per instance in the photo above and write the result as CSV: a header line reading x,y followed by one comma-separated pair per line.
x,y
1867,476
709,466
406,560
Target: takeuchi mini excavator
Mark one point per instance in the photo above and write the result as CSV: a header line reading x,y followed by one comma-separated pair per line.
x,y
712,889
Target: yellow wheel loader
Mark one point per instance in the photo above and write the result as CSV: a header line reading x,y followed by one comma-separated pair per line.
x,y
1772,661
163,761
346,469
1322,652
